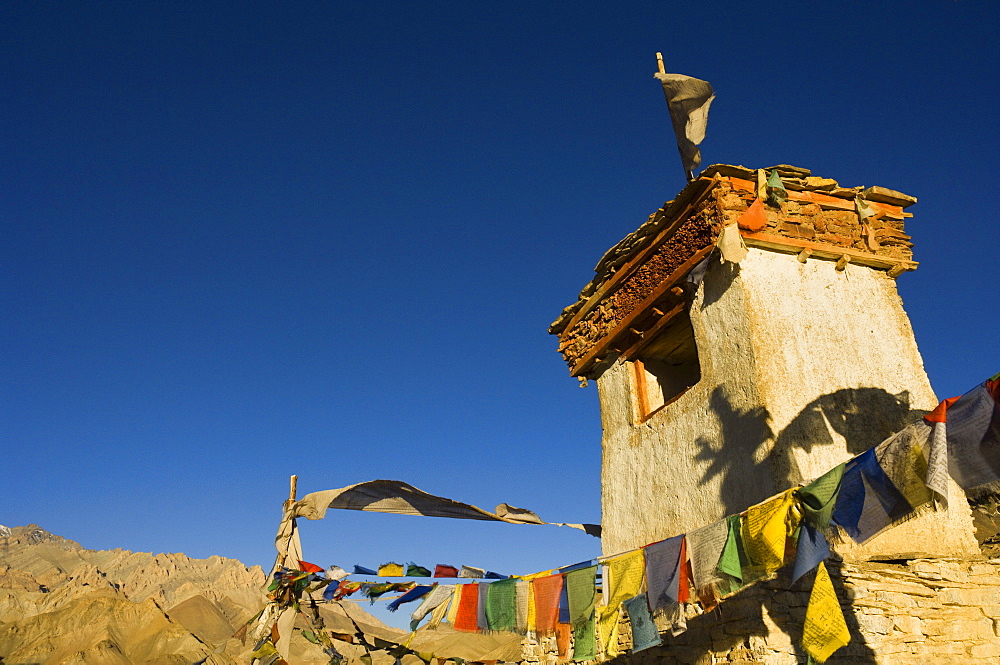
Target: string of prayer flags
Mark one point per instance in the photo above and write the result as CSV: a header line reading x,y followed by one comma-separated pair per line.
x,y
501,605
469,571
811,551
663,573
438,595
766,529
868,501
644,632
546,591
374,591
581,593
466,619
411,595
876,489
818,498
825,629
413,570
390,570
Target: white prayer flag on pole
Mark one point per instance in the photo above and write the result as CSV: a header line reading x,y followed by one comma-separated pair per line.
x,y
688,100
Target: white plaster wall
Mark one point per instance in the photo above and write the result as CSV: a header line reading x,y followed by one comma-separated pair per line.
x,y
667,475
802,367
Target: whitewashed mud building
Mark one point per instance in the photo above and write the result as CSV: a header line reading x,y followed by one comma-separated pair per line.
x,y
729,371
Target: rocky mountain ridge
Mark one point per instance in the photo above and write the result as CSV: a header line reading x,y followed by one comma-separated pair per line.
x,y
62,603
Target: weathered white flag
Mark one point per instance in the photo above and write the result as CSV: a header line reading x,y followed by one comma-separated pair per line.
x,y
688,100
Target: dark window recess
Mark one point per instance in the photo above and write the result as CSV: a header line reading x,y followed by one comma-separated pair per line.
x,y
666,367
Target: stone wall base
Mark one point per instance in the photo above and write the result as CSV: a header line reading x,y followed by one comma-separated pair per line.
x,y
905,612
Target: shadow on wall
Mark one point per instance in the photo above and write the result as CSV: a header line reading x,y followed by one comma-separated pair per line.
x,y
737,627
862,417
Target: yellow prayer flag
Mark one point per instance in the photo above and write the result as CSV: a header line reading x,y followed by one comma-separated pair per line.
x,y
766,528
439,612
391,570
607,629
535,576
625,574
455,600
531,607
825,629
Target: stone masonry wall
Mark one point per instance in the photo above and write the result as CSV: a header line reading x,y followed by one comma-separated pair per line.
x,y
914,612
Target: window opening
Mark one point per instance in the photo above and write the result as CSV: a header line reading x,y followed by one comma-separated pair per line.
x,y
667,367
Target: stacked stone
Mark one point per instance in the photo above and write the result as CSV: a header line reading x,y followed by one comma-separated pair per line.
x,y
899,613
819,214
824,222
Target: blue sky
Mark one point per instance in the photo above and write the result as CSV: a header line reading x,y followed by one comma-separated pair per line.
x,y
246,240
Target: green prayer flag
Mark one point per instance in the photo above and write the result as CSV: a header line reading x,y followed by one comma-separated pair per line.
x,y
413,570
501,605
776,192
311,636
819,497
581,591
734,562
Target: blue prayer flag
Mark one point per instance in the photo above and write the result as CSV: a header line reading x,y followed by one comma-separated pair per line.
x,y
411,595
812,549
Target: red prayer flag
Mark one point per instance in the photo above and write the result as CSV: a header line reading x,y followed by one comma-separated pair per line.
x,y
563,633
309,567
442,570
683,588
940,412
754,219
547,591
466,620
